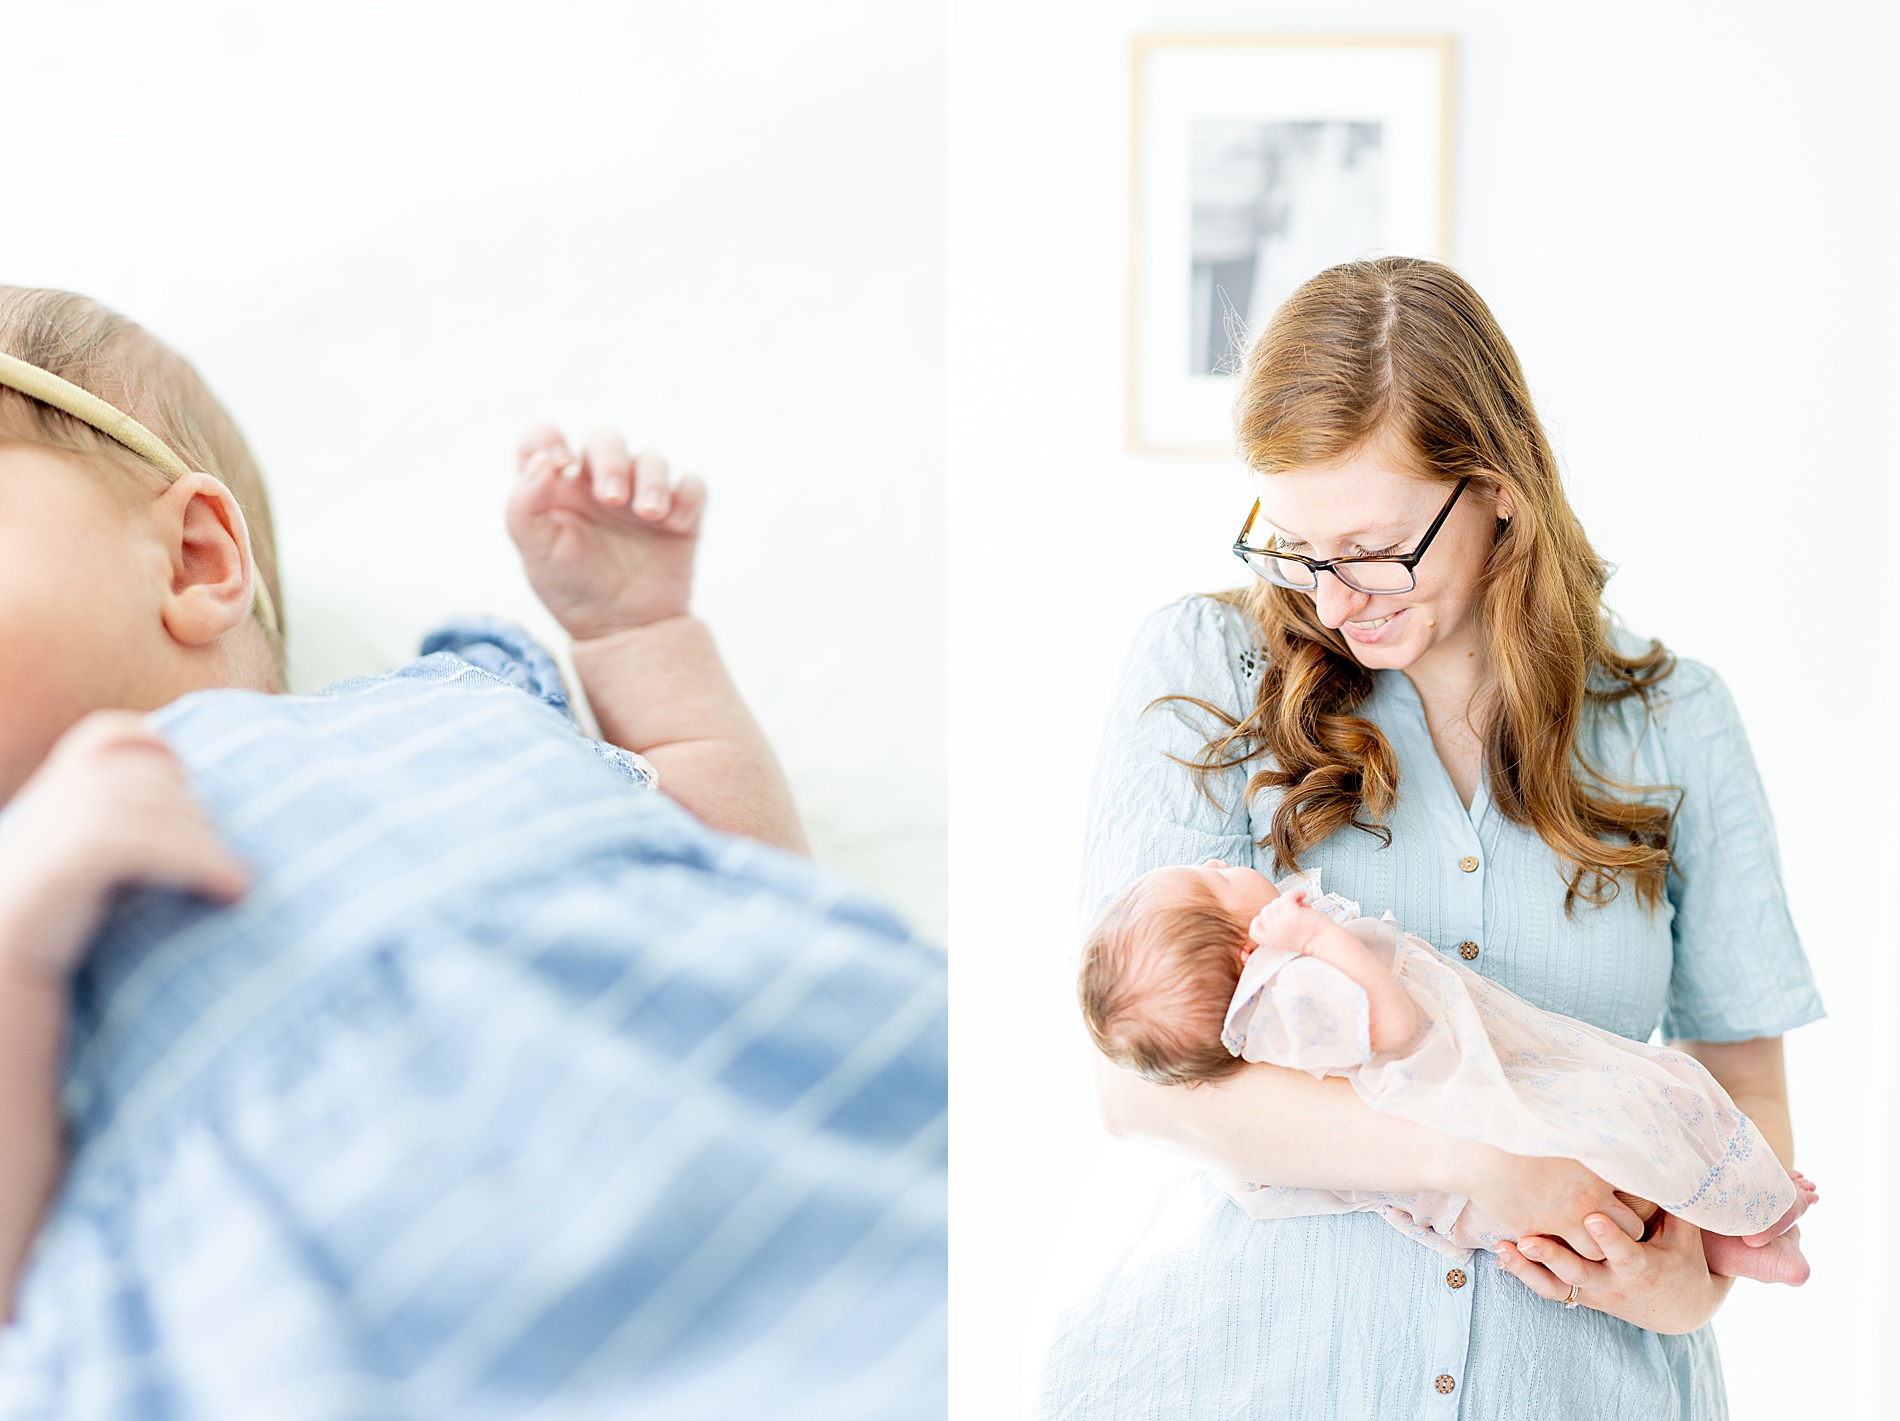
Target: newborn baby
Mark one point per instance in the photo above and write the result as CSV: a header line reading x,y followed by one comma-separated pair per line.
x,y
398,1050
1191,972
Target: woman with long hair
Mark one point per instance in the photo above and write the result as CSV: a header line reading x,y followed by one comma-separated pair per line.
x,y
1423,697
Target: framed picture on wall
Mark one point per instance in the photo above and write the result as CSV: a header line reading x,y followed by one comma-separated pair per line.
x,y
1258,161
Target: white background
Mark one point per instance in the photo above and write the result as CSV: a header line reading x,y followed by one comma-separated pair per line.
x,y
393,235
1683,215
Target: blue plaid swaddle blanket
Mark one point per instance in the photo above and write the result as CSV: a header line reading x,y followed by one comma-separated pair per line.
x,y
509,1090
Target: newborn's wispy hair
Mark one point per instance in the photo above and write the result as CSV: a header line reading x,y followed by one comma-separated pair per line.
x,y
105,354
1155,983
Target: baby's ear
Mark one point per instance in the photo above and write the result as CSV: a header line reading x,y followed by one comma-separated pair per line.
x,y
202,530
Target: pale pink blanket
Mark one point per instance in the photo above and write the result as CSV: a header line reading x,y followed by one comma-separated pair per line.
x,y
1486,1065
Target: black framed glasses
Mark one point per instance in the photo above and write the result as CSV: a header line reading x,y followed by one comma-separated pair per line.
x,y
1376,576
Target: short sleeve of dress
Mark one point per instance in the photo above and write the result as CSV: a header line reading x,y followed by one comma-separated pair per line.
x,y
1147,810
504,651
1739,969
509,654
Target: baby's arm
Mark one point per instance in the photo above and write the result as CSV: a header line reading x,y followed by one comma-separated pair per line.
x,y
32,1023
1288,924
607,542
109,808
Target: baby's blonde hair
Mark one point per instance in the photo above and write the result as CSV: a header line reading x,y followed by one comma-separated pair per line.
x,y
1155,983
116,359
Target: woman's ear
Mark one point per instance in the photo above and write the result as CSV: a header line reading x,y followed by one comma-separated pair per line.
x,y
202,530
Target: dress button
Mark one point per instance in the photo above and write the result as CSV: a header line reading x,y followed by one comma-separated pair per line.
x,y
1445,1384
1468,864
1468,951
1455,1278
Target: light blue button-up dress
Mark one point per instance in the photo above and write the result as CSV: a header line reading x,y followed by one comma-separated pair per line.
x,y
1341,1316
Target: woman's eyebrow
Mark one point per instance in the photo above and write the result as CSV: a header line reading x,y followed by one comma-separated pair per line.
x,y
1396,526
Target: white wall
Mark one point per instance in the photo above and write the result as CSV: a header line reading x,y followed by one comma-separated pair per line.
x,y
1683,214
392,235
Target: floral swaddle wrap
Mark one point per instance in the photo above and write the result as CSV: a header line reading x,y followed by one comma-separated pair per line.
x,y
1486,1065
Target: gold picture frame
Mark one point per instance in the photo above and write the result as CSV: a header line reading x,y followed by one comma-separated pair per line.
x,y
1392,96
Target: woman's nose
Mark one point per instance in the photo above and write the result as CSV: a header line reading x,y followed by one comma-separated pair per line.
x,y
1335,602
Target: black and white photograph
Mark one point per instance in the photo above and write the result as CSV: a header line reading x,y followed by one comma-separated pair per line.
x,y
1258,161
1273,203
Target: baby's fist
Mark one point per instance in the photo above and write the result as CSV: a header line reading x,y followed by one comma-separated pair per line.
x,y
1287,923
110,808
606,538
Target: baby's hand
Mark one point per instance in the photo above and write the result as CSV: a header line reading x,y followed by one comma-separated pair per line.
x,y
110,808
1289,924
607,540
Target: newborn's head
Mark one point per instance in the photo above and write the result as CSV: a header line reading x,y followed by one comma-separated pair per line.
x,y
1160,967
119,589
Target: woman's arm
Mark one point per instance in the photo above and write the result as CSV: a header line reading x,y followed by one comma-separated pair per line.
x,y
1755,1076
1738,971
1271,1125
32,1025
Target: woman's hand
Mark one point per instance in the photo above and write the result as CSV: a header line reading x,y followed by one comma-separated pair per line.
x,y
607,538
1663,1285
1529,1196
109,808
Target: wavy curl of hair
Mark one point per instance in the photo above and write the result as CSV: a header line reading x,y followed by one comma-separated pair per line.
x,y
1404,350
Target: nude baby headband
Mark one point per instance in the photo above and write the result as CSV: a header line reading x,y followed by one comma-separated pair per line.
x,y
115,423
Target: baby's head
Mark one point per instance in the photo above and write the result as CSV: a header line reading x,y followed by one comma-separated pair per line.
x,y
1160,967
121,587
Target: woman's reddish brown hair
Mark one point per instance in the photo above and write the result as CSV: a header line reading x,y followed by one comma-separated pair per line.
x,y
1404,350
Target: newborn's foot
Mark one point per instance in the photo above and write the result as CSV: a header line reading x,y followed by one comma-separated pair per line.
x,y
1805,1194
1780,1260
1771,1256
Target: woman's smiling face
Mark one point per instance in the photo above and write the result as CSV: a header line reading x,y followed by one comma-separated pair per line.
x,y
1375,501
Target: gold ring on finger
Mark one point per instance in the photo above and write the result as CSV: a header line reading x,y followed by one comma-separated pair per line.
x,y
1571,1300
